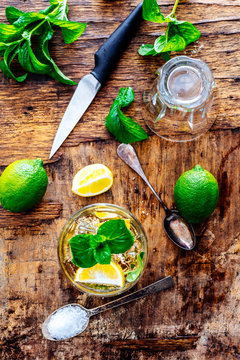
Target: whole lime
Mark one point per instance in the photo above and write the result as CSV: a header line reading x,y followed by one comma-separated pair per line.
x,y
22,185
196,194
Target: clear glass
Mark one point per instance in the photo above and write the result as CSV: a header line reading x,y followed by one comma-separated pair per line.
x,y
179,105
87,220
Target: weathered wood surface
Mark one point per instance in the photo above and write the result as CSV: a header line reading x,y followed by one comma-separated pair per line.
x,y
199,318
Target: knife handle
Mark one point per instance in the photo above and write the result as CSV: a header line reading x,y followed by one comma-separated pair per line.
x,y
109,53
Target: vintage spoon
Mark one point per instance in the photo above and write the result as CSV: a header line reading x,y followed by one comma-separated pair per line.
x,y
181,233
77,317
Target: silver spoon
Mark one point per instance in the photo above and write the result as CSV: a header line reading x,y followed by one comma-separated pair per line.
x,y
81,315
176,228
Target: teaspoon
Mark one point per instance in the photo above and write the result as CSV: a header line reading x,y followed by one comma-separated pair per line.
x,y
177,229
76,317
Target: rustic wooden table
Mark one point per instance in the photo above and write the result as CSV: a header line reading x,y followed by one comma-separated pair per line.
x,y
199,318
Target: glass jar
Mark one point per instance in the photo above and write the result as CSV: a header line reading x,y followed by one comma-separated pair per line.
x,y
179,105
88,220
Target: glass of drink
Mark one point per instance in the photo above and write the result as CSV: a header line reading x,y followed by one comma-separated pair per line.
x,y
125,268
179,105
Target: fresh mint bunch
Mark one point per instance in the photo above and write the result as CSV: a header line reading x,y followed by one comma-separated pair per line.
x,y
16,39
177,36
113,237
122,127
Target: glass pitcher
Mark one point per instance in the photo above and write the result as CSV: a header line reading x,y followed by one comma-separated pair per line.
x,y
179,105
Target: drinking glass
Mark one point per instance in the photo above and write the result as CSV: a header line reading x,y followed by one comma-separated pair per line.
x,y
179,105
88,220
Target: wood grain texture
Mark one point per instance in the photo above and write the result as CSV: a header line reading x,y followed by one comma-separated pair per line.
x,y
42,212
180,343
199,318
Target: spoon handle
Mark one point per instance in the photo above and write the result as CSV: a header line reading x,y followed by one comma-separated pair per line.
x,y
157,286
129,156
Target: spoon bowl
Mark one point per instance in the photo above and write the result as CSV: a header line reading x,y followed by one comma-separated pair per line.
x,y
81,316
177,229
181,233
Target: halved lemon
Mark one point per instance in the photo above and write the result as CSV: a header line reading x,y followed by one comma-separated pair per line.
x,y
92,180
98,274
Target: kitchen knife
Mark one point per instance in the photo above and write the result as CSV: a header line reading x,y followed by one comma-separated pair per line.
x,y
105,60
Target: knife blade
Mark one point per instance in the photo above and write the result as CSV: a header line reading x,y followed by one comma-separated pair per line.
x,y
105,60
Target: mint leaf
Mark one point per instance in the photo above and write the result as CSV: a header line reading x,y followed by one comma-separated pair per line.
x,y
44,56
151,11
102,254
55,2
118,237
9,33
125,96
48,10
160,43
3,46
176,43
134,274
24,58
70,30
13,14
129,131
185,29
27,19
45,35
5,64
146,50
38,66
81,251
122,127
61,9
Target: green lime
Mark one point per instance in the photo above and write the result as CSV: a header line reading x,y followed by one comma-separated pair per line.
x,y
196,194
22,185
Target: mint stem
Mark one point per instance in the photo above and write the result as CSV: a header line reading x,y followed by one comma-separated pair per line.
x,y
36,27
174,8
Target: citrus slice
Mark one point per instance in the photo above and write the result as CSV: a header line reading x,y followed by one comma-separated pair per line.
x,y
105,215
98,274
92,180
127,223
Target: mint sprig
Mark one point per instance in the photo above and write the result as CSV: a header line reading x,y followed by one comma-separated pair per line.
x,y
113,237
16,39
177,36
125,129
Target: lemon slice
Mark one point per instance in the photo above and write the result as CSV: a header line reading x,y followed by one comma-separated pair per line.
x,y
98,274
92,180
127,223
105,215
